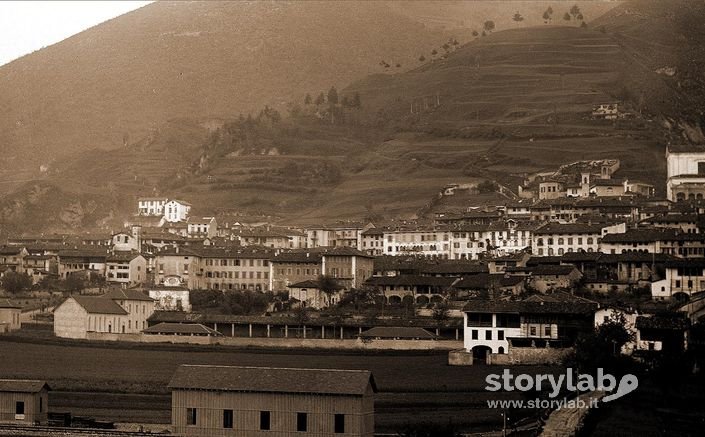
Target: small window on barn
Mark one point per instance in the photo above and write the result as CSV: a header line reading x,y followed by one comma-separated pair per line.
x,y
339,423
19,408
191,416
227,418
301,422
264,419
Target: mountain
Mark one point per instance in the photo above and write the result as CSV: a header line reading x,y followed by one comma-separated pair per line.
x,y
665,41
117,82
495,107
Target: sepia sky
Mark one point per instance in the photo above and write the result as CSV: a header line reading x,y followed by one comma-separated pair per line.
x,y
26,26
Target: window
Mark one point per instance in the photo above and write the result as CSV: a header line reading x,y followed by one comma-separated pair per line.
x,y
190,416
227,418
264,420
474,334
301,422
488,335
500,335
41,404
19,408
339,423
547,331
532,330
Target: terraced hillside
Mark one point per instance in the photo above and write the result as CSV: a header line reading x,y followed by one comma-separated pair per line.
x,y
513,102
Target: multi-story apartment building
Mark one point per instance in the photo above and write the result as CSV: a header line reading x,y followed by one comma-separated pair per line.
x,y
560,238
349,266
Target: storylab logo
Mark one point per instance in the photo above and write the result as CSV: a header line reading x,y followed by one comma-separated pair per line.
x,y
570,381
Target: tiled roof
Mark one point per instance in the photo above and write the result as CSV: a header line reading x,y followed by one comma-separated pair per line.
x,y
5,303
398,332
569,228
10,250
483,281
607,183
99,305
529,307
181,328
432,281
122,256
127,294
661,322
550,270
458,267
298,257
273,380
310,283
22,385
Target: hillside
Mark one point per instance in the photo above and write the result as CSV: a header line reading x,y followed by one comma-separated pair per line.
x,y
667,39
114,83
512,102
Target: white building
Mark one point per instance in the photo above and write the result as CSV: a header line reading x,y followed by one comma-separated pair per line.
x,y
560,238
685,167
121,312
201,227
176,210
151,206
683,279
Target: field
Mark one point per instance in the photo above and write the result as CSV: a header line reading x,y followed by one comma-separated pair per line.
x,y
129,384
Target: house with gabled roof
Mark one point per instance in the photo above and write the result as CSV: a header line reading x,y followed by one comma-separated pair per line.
x,y
24,401
260,401
116,312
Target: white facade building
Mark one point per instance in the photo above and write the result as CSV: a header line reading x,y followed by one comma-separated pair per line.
x,y
685,167
176,210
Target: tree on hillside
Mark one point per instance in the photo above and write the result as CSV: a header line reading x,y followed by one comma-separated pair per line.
x,y
398,65
484,33
583,24
307,99
475,33
489,25
434,52
580,17
517,17
566,17
14,282
332,96
446,47
546,17
321,99
549,10
486,187
575,11
422,58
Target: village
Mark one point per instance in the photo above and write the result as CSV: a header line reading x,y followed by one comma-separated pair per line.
x,y
516,283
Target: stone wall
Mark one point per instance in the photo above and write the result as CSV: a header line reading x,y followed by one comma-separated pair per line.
x,y
529,355
285,342
460,357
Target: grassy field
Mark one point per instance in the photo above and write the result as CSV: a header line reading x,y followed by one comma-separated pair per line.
x,y
129,385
